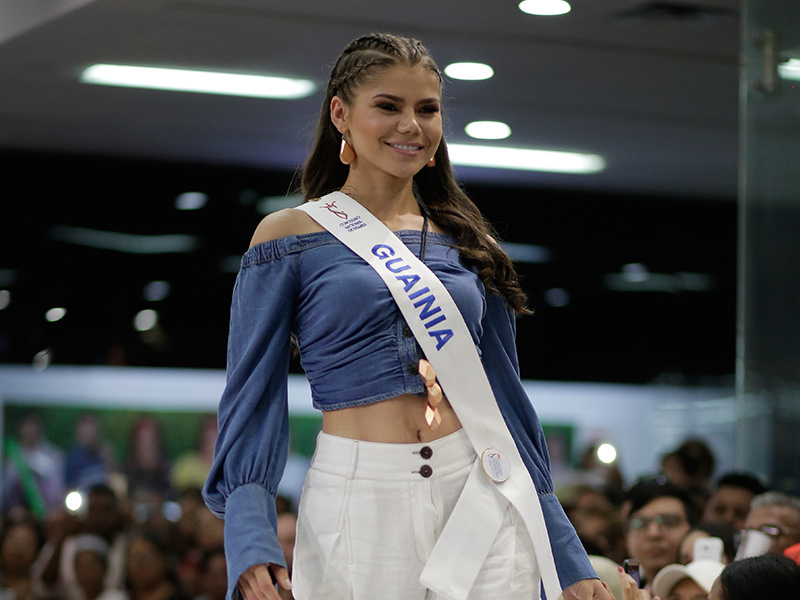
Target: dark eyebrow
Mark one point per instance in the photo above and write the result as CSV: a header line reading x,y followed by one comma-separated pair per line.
x,y
398,99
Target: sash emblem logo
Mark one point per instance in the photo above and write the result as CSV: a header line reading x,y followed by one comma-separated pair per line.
x,y
331,206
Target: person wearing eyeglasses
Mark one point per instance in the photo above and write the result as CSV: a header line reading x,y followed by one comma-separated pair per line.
x,y
775,517
660,514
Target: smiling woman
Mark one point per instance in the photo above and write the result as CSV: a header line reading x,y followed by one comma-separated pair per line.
x,y
393,127
397,459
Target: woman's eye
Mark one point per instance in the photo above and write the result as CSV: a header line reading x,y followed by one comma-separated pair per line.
x,y
387,106
430,110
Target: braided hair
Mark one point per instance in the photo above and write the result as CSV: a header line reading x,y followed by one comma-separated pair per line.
x,y
436,188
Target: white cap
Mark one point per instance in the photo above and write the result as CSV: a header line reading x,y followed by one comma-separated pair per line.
x,y
703,572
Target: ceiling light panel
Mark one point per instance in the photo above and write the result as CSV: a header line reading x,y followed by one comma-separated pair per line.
x,y
205,82
790,69
469,71
488,130
545,8
525,159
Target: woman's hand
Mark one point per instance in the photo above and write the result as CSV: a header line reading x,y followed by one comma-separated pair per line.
x,y
630,591
256,582
588,589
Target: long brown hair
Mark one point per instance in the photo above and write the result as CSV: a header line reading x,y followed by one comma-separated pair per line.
x,y
436,187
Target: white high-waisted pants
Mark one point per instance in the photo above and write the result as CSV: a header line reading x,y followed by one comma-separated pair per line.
x,y
370,514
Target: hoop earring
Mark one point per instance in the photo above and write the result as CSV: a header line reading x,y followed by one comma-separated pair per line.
x,y
346,153
431,162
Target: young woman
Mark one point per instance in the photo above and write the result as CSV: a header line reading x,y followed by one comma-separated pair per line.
x,y
393,459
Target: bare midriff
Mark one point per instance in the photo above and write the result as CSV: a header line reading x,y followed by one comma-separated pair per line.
x,y
399,420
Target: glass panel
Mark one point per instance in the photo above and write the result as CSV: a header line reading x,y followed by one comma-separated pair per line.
x,y
768,369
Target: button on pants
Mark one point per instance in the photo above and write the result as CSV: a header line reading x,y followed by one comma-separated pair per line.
x,y
371,513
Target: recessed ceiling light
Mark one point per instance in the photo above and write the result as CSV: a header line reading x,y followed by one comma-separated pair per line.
x,y
527,253
205,82
55,314
557,297
270,204
42,359
125,242
545,8
191,201
469,71
790,69
488,130
525,159
156,291
145,320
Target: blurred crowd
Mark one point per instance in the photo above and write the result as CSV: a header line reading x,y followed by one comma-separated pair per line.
x,y
684,534
81,524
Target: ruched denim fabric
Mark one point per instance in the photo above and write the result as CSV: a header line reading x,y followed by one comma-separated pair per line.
x,y
355,349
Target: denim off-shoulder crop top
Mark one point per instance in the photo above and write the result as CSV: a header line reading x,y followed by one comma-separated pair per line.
x,y
356,349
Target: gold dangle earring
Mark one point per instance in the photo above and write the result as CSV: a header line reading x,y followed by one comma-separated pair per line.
x,y
346,153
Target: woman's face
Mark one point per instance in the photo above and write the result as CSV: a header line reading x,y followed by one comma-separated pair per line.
x,y
394,122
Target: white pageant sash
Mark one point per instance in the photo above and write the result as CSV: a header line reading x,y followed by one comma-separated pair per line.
x,y
438,326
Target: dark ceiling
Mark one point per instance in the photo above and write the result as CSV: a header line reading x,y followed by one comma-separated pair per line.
x,y
650,86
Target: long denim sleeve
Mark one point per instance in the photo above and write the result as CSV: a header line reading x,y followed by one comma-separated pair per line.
x,y
253,440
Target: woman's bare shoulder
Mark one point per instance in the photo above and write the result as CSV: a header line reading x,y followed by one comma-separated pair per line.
x,y
283,223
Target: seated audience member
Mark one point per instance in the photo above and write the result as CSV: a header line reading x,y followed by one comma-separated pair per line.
x,y
659,516
34,469
778,516
150,576
91,566
687,582
56,563
708,530
730,501
191,469
603,530
690,467
148,468
214,574
89,460
19,545
758,578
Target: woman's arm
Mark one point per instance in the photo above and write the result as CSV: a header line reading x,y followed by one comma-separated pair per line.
x,y
252,445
